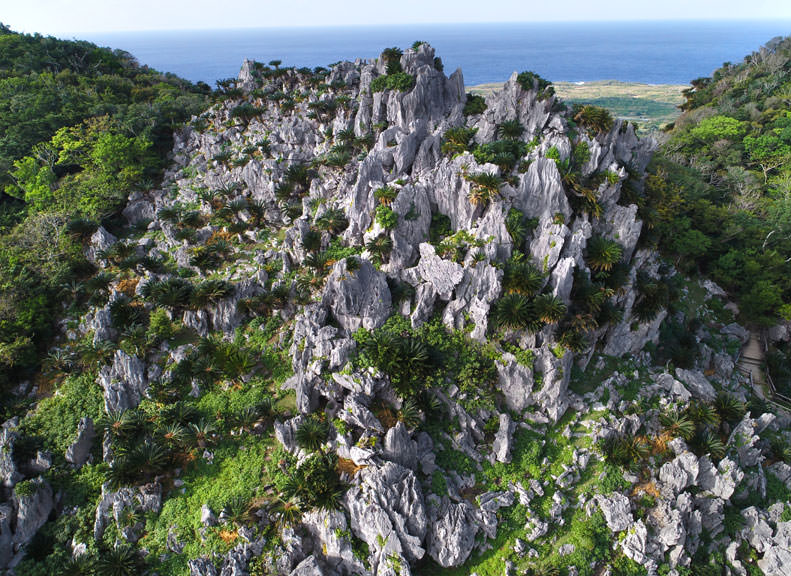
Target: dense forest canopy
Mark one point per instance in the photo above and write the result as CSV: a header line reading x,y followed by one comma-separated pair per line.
x,y
80,128
719,198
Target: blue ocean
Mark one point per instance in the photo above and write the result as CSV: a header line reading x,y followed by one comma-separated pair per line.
x,y
649,52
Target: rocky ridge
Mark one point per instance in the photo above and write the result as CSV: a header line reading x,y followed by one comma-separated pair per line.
x,y
332,206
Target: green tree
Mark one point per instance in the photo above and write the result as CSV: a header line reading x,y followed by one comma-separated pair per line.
x,y
717,128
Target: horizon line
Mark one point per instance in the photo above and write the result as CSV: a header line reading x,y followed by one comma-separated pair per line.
x,y
412,24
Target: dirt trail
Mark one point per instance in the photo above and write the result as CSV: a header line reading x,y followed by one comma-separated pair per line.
x,y
752,358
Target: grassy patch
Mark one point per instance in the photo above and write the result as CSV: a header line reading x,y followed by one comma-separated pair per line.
x,y
238,470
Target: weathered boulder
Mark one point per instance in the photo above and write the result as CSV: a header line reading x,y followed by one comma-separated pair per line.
x,y
617,511
515,381
443,275
502,440
722,480
548,243
237,560
78,451
357,414
635,545
399,447
100,242
328,529
207,517
357,298
621,223
697,384
479,288
540,193
679,473
777,557
202,567
124,382
33,509
6,535
387,511
553,396
308,567
756,529
743,440
9,474
452,533
670,526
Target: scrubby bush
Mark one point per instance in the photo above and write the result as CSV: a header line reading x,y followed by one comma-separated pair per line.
x,y
400,81
594,118
386,217
458,140
475,104
532,81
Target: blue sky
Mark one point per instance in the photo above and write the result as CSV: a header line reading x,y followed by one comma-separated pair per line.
x,y
71,17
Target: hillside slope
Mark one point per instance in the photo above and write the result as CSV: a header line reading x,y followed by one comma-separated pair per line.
x,y
81,127
370,325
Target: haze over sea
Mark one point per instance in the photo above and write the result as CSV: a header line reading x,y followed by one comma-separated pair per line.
x,y
649,52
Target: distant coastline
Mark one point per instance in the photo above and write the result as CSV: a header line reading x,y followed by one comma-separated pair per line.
x,y
650,106
644,52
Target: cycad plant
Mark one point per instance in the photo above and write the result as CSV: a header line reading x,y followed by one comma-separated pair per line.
x,y
120,560
174,435
202,432
311,434
522,277
410,413
603,254
703,414
709,443
210,292
573,339
458,140
485,188
515,312
149,457
385,195
172,293
510,129
729,408
311,240
676,424
333,221
119,423
594,118
318,261
287,512
548,308
379,248
237,510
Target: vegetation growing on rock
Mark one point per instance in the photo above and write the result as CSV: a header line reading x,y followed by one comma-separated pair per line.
x,y
349,332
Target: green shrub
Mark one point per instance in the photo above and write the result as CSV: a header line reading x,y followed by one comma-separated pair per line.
x,y
552,153
440,228
400,81
458,140
386,217
503,153
475,104
25,488
594,118
532,81
315,483
56,417
160,326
